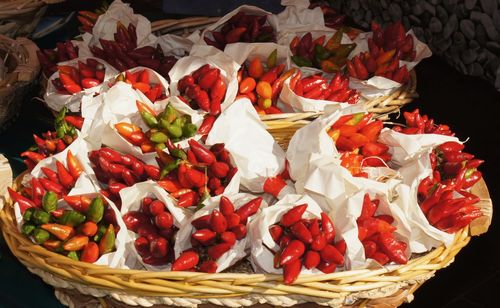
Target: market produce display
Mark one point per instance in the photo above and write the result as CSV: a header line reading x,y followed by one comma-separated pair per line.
x,y
175,171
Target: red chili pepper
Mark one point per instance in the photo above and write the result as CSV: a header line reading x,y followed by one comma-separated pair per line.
x,y
330,254
369,207
457,156
293,215
249,208
274,185
52,186
216,251
370,248
472,179
301,232
326,267
226,206
204,236
276,232
291,271
37,191
188,199
36,157
392,248
195,177
292,252
209,266
65,178
374,225
328,227
202,154
219,169
74,166
24,203
319,242
186,261
218,222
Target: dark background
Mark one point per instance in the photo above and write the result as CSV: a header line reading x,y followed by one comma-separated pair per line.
x,y
469,105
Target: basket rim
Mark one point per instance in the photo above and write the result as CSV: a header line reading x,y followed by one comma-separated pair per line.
x,y
203,286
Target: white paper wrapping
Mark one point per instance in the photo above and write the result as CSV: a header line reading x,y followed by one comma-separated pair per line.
x,y
377,85
423,236
105,27
131,201
248,9
240,248
255,152
348,212
405,147
201,55
262,257
174,45
117,104
114,259
297,14
313,139
57,101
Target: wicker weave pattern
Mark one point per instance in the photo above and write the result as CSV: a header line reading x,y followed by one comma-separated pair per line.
x,y
138,287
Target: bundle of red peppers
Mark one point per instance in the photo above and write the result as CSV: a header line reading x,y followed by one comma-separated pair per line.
x,y
155,228
215,234
355,137
329,57
262,84
122,52
53,142
196,173
444,197
317,87
306,242
141,80
72,80
376,233
242,27
49,58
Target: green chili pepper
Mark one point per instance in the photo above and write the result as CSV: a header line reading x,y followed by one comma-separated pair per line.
x,y
158,137
301,61
28,214
189,130
272,59
107,242
100,232
161,146
27,229
96,210
174,130
170,114
40,217
320,53
170,167
49,202
73,255
149,119
72,218
344,50
40,235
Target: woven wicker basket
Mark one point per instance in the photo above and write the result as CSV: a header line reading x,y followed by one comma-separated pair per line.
x,y
82,283
20,17
22,68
